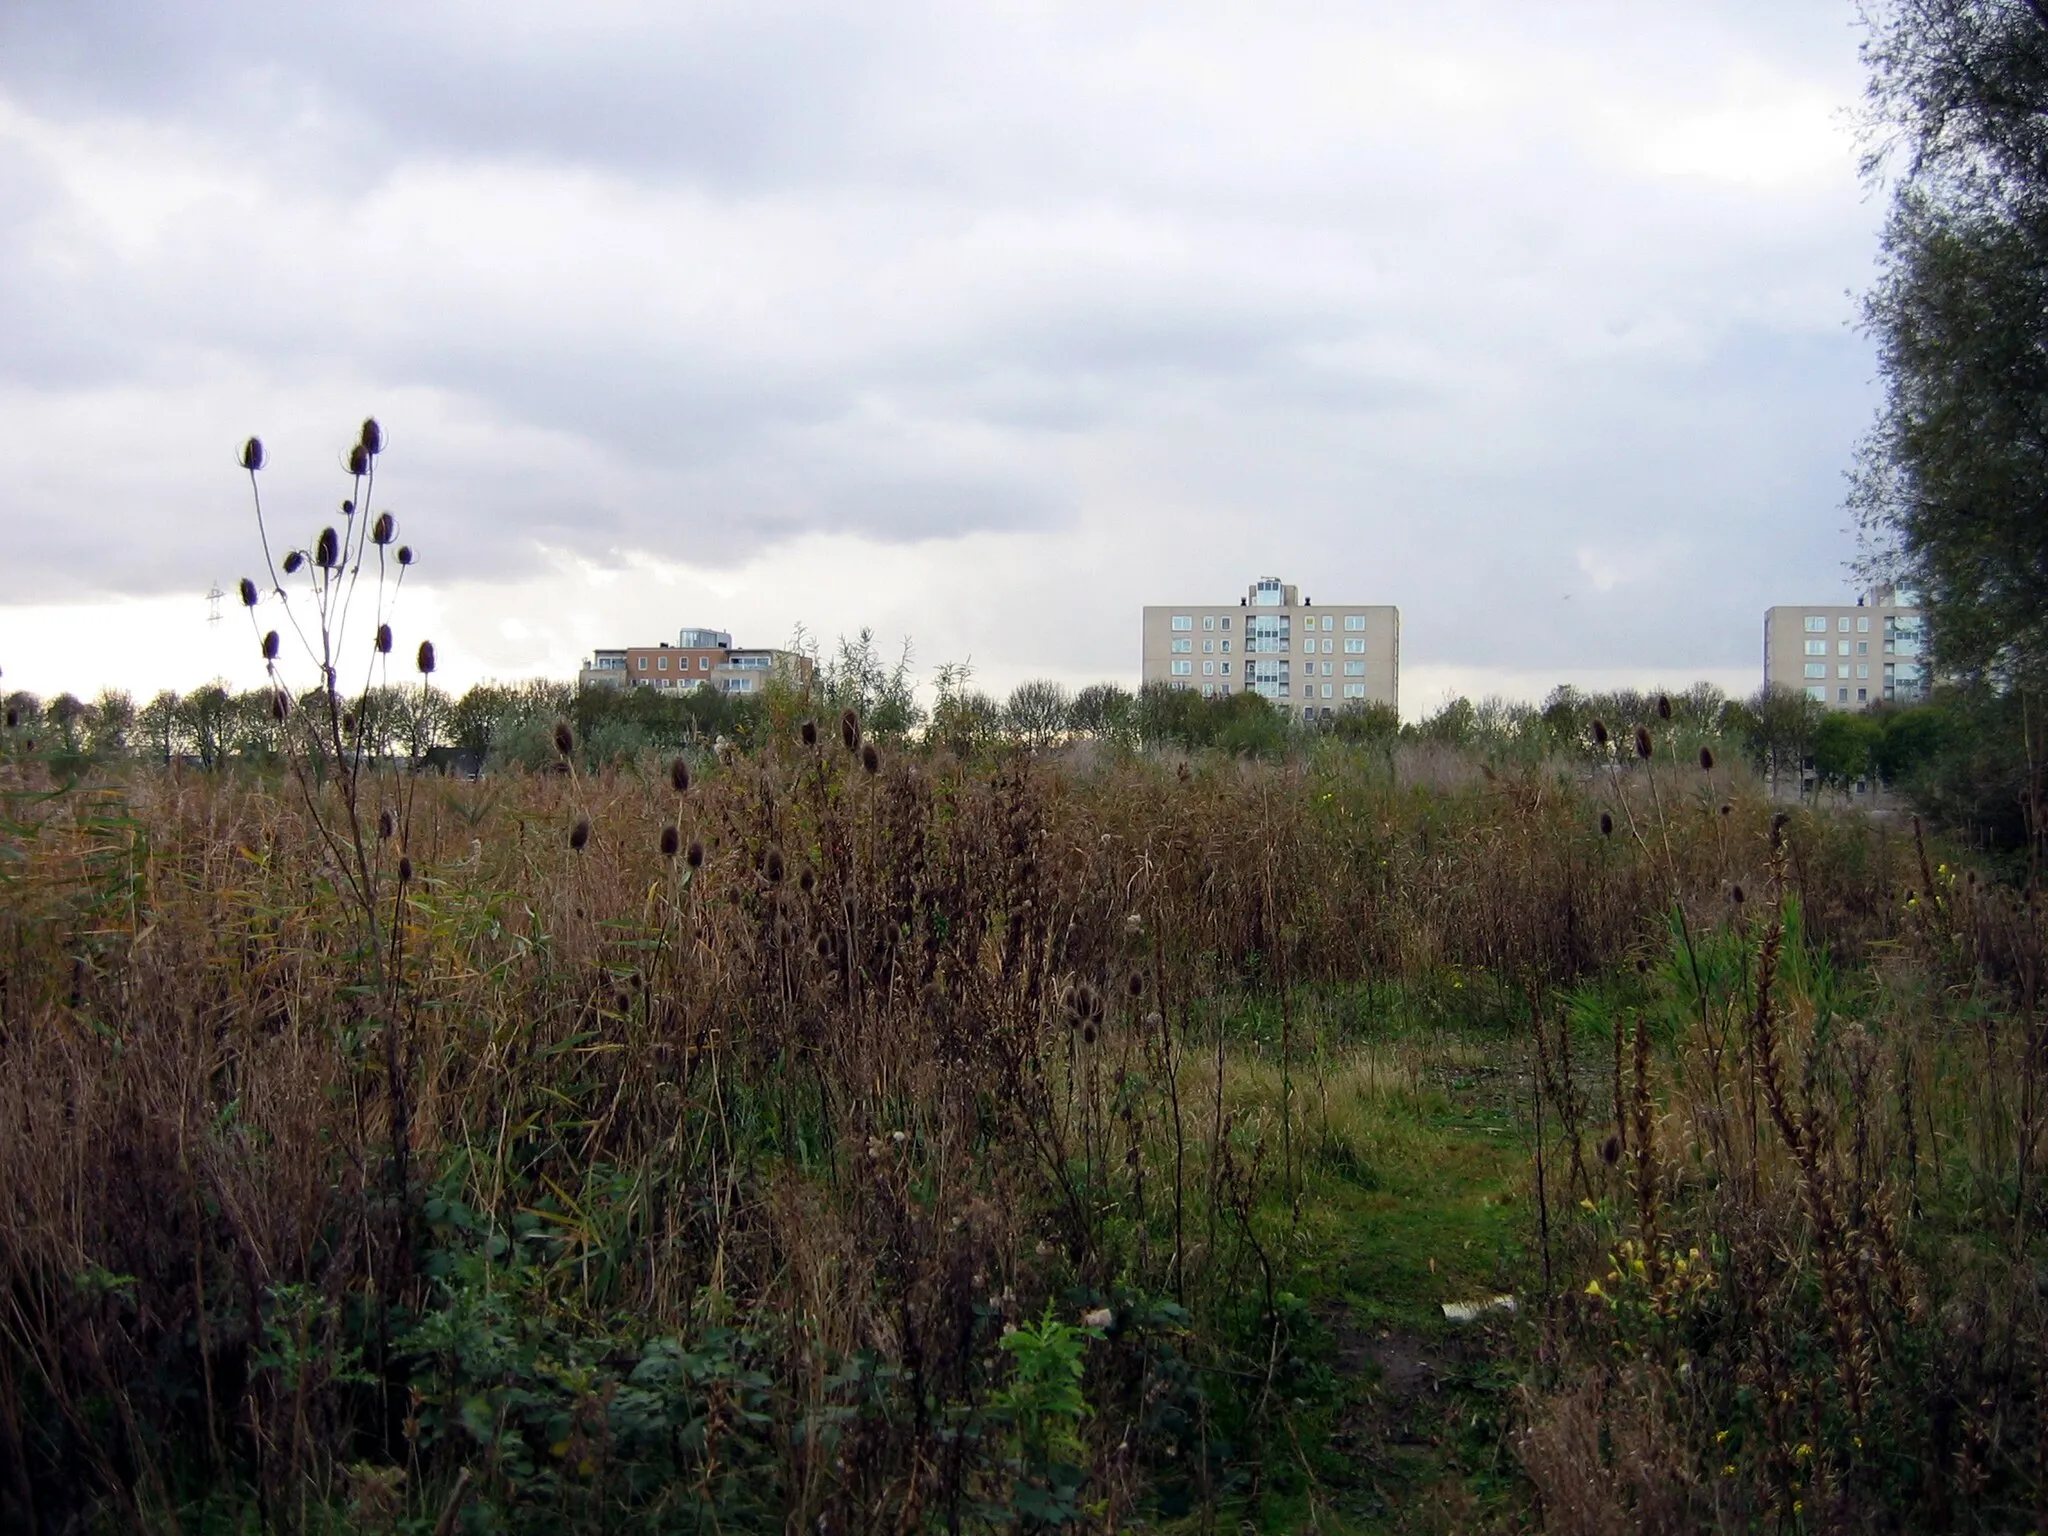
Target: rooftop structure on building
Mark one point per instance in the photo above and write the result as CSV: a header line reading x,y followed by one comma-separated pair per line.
x,y
1311,660
1850,655
699,658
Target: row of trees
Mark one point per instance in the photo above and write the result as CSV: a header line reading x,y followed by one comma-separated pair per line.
x,y
1785,734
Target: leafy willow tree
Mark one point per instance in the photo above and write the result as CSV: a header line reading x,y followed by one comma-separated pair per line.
x,y
1953,479
857,678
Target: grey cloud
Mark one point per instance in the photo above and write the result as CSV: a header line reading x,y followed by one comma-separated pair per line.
x,y
716,278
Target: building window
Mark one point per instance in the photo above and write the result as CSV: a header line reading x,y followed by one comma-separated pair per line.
x,y
1818,695
1354,647
1226,621
1354,621
1182,647
1354,690
1226,673
1862,647
1815,625
1183,621
1208,646
1816,669
1226,647
703,663
1816,647
1845,623
1208,621
1863,626
1863,670
1354,669
1326,690
1862,695
1208,669
1208,690
1183,668
1329,621
1842,696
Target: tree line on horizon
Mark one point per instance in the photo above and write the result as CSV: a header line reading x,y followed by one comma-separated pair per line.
x,y
1950,754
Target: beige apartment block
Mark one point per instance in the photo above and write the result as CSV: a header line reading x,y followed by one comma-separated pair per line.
x,y
1310,659
1849,657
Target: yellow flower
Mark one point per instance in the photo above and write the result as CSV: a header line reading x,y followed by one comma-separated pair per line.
x,y
1721,1437
1729,1470
1593,1289
1803,1452
1799,1506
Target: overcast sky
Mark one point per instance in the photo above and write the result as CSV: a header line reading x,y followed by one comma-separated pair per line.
x,y
981,324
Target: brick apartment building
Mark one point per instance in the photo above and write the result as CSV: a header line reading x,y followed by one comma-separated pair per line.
x,y
700,658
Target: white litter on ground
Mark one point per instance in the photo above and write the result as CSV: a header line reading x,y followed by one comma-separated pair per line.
x,y
1472,1311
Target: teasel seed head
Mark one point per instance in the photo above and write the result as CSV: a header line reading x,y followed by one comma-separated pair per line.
x,y
383,639
292,561
1136,985
13,718
385,825
1663,707
252,454
771,866
348,722
382,530
1727,809
579,835
280,705
849,730
806,882
1610,1151
405,554
1599,733
565,739
1737,896
1088,1035
694,856
270,644
870,759
808,731
1606,825
679,776
1706,759
404,870
372,440
327,549
348,506
1642,741
426,658
671,840
1778,831
358,460
248,593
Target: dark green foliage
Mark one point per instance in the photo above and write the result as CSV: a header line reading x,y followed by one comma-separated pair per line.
x,y
1956,471
1242,724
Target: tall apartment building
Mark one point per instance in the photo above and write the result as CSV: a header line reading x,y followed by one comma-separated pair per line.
x,y
1310,661
700,658
1849,657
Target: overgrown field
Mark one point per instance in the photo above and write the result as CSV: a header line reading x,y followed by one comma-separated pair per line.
x,y
849,1136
